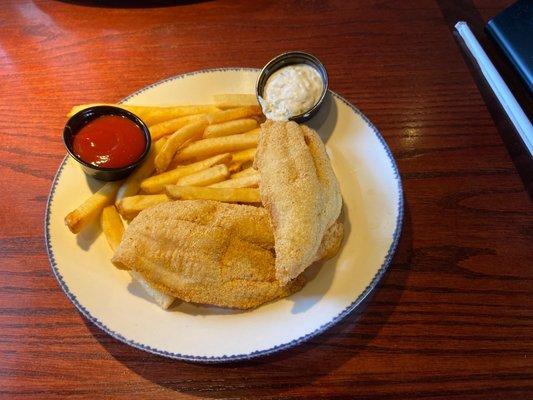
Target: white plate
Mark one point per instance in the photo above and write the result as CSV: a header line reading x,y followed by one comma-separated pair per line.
x,y
372,194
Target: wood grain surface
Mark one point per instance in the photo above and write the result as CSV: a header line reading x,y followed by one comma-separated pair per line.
x,y
452,318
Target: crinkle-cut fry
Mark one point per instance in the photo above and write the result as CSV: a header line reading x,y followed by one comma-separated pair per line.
x,y
163,300
244,155
227,195
132,184
91,208
165,128
242,182
189,132
244,172
154,115
129,207
234,113
232,100
230,127
157,183
112,226
206,177
204,148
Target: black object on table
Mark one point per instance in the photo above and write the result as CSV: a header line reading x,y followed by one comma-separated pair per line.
x,y
512,30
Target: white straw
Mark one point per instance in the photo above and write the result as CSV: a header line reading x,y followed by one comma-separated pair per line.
x,y
500,89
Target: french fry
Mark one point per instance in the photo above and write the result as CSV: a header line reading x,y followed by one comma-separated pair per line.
x,y
244,172
129,207
189,132
230,127
208,147
227,195
233,113
92,207
112,226
154,115
206,177
164,128
247,164
242,182
132,184
225,101
234,167
255,131
158,145
244,155
157,183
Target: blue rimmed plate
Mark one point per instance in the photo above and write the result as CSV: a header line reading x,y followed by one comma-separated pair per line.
x,y
373,210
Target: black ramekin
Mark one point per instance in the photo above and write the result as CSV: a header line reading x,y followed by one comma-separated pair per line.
x,y
291,58
82,118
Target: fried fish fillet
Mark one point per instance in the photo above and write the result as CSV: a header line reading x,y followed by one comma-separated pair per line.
x,y
299,189
208,252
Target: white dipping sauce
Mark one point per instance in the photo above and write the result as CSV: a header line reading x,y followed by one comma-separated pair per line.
x,y
291,91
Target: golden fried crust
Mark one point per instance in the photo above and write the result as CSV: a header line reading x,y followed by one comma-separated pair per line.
x,y
205,252
212,253
299,189
331,243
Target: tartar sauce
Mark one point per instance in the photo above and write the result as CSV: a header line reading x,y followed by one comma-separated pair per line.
x,y
291,91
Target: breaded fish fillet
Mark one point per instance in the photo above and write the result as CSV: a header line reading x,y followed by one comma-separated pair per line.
x,y
207,252
300,190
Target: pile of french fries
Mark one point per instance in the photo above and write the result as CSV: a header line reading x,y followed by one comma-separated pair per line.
x,y
198,152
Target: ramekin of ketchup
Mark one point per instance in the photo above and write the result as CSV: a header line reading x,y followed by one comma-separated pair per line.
x,y
108,142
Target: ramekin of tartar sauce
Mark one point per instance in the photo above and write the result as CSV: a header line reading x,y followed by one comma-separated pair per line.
x,y
292,87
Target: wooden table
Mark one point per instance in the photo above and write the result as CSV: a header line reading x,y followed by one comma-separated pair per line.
x,y
453,317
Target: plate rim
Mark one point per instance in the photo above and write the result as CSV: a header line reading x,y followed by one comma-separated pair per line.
x,y
258,353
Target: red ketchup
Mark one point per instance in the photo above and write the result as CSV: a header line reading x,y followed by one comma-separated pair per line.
x,y
109,141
